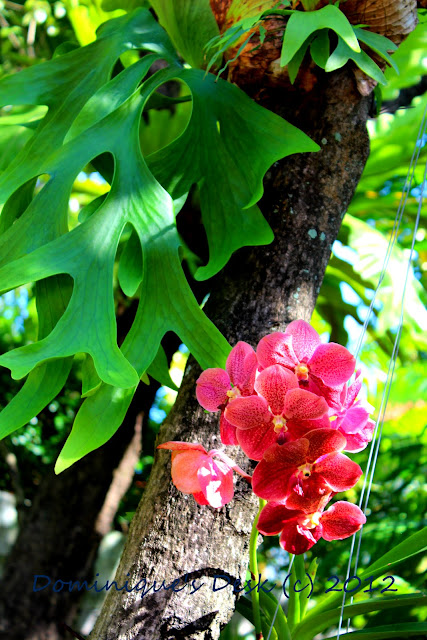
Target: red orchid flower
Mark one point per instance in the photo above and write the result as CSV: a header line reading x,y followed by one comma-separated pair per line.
x,y
216,387
311,463
280,412
195,471
299,531
300,350
352,418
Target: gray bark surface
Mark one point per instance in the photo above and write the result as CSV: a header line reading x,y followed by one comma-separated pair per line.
x,y
259,291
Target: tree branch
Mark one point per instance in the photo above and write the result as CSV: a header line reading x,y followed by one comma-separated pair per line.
x,y
405,97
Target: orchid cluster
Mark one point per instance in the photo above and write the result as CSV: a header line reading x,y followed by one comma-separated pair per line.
x,y
291,408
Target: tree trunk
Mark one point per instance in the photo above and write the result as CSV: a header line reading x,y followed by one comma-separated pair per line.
x,y
260,290
61,533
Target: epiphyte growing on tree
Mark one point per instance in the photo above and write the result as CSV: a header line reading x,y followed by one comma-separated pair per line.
x,y
289,406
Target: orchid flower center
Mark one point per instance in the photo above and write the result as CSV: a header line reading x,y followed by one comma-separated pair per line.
x,y
301,371
233,393
305,470
310,520
279,424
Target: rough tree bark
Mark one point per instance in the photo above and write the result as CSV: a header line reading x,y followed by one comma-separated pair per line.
x,y
260,290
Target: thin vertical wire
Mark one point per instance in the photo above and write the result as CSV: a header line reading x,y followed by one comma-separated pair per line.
x,y
390,374
408,186
375,444
395,351
398,218
279,603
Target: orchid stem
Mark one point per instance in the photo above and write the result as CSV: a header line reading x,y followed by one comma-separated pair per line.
x,y
253,568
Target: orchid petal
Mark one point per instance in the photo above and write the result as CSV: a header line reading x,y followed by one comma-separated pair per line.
x,y
297,539
289,455
200,498
212,387
304,339
358,441
227,431
271,481
304,405
333,395
308,497
241,367
216,483
222,464
248,412
254,442
273,383
185,467
322,442
343,395
354,389
341,520
355,419
273,518
181,446
332,363
300,428
276,348
338,471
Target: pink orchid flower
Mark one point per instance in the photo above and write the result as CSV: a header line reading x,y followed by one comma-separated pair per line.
x,y
195,471
300,350
311,463
280,412
352,418
216,387
299,531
